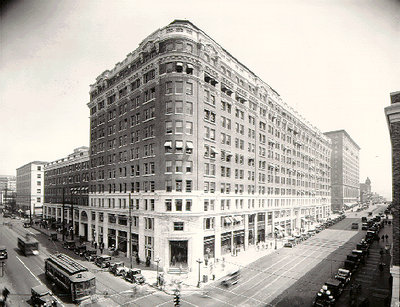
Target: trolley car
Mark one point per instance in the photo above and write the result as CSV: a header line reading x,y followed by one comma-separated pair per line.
x,y
71,276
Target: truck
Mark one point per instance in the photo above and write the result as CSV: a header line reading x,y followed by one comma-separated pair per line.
x,y
28,246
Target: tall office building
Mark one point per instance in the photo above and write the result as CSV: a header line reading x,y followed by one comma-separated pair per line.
x,y
345,175
392,113
66,186
209,156
30,188
365,191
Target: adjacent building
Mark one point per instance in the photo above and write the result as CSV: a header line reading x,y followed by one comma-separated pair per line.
x,y
8,188
30,188
392,113
345,175
66,189
365,191
193,156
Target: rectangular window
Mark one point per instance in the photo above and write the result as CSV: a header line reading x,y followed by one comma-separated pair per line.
x,y
179,87
178,166
169,87
178,107
178,185
168,205
178,204
178,126
189,128
189,108
189,88
168,127
178,226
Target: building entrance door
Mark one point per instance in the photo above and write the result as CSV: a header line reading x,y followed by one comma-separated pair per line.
x,y
178,253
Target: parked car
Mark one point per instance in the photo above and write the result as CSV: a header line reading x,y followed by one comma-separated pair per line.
x,y
27,225
80,250
90,254
134,276
103,261
3,252
354,226
69,245
118,268
335,287
343,275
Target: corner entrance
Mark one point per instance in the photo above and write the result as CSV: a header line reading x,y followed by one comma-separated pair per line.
x,y
178,254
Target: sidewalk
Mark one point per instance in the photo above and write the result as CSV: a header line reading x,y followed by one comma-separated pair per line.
x,y
190,280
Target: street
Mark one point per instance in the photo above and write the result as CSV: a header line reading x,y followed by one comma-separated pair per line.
x,y
286,277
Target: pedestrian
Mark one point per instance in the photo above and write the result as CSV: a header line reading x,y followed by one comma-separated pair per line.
x,y
386,236
383,238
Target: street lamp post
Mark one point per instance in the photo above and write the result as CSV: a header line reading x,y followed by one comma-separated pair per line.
x,y
199,262
157,260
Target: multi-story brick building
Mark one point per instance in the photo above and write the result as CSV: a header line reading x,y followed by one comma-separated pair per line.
x,y
66,186
392,113
30,188
345,174
209,156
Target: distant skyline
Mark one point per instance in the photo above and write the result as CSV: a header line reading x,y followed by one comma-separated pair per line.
x,y
335,62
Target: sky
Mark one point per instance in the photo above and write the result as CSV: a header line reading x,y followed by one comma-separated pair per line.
x,y
335,62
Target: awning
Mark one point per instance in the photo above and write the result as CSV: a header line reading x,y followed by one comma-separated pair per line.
x,y
168,144
228,220
228,153
189,145
238,218
179,64
189,66
179,144
213,150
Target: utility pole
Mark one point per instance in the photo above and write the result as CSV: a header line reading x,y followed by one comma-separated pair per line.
x,y
130,230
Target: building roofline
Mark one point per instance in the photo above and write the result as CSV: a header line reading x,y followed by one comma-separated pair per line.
x,y
344,132
33,162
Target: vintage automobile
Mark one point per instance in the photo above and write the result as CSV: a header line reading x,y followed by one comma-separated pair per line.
x,y
69,245
90,254
42,296
335,286
80,250
27,225
118,268
289,244
3,252
354,226
350,265
103,261
231,278
343,275
134,276
324,298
